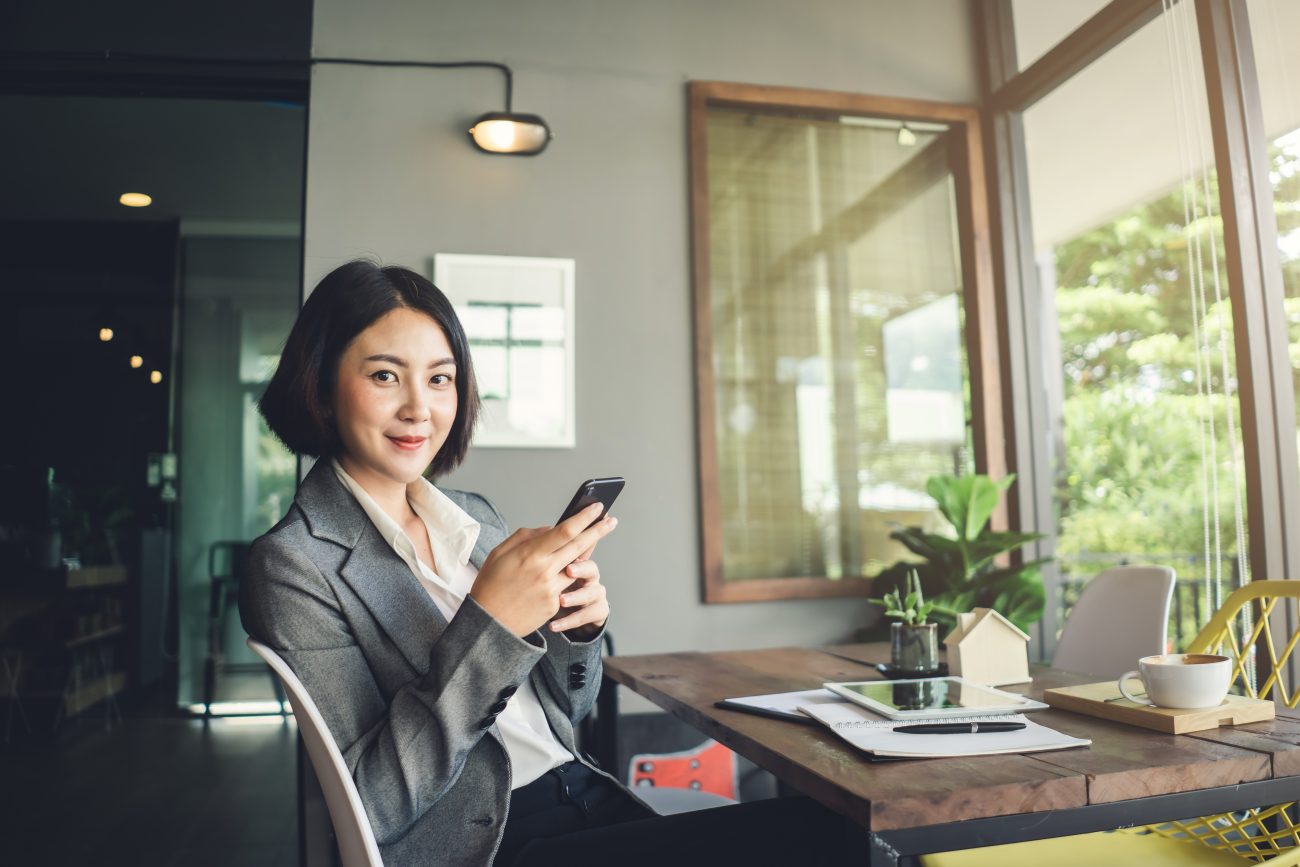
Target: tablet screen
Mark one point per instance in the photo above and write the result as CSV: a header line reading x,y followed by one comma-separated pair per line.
x,y
939,694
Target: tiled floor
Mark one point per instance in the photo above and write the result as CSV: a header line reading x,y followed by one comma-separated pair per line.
x,y
152,791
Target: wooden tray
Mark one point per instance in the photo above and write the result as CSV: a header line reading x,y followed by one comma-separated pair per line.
x,y
1104,700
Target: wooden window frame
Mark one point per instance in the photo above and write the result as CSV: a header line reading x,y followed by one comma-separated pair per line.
x,y
981,318
1267,405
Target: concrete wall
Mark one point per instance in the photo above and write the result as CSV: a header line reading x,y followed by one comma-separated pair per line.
x,y
391,174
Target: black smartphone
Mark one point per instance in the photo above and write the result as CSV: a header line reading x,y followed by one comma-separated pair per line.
x,y
603,491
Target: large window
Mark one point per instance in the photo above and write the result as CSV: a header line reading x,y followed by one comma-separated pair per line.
x,y
1151,361
1149,464
831,314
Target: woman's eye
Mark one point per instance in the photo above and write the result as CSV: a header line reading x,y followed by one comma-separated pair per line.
x,y
379,374
441,379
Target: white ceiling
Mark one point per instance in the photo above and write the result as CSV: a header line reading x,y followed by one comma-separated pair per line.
x,y
217,165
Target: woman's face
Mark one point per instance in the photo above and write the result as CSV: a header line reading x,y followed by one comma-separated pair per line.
x,y
395,401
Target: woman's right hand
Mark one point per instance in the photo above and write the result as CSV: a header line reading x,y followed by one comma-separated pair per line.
x,y
522,579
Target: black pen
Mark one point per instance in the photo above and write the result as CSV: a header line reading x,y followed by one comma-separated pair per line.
x,y
963,728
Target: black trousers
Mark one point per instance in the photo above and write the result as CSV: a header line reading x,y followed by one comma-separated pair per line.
x,y
570,816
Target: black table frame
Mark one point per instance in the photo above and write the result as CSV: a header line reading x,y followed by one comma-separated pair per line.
x,y
903,847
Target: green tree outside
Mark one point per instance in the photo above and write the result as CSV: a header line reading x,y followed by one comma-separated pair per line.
x,y
1131,484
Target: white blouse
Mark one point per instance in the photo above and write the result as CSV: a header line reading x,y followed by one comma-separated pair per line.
x,y
532,746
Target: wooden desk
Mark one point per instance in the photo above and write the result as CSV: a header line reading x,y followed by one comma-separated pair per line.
x,y
1127,777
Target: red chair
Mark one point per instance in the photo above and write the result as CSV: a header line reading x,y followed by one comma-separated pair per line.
x,y
710,768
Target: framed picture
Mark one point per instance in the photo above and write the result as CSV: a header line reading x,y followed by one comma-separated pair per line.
x,y
518,315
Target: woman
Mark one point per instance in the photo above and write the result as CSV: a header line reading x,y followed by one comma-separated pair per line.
x,y
424,633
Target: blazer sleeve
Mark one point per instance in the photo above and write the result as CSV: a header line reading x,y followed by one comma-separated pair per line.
x,y
404,753
572,669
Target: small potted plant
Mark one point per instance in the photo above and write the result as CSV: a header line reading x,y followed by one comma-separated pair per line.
x,y
913,642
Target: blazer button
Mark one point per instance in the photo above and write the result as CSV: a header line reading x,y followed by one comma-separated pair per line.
x,y
577,683
486,722
578,668
498,707
508,691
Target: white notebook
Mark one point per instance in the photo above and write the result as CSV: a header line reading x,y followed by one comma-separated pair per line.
x,y
783,705
876,735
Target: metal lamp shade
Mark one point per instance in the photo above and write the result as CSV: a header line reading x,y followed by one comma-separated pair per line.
x,y
500,132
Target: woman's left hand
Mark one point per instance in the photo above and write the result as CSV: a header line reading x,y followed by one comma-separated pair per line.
x,y
587,596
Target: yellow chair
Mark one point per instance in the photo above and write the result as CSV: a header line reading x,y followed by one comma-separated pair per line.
x,y
1244,630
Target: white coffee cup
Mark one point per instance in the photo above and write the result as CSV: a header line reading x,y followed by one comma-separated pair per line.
x,y
1181,680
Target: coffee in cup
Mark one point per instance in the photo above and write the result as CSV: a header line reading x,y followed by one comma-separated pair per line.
x,y
1181,680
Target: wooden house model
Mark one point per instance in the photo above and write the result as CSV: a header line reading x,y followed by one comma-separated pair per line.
x,y
987,648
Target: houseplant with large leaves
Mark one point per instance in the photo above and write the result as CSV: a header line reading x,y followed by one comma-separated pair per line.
x,y
961,571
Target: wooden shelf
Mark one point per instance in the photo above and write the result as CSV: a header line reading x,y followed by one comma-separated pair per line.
x,y
96,576
93,693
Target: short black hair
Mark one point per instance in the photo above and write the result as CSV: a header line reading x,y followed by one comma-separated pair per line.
x,y
298,403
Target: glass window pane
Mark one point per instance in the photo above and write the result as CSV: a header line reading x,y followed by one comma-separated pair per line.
x,y
236,478
484,321
1147,468
840,380
1278,67
537,323
537,390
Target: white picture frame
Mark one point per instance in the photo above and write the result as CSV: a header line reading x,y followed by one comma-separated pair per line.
x,y
518,313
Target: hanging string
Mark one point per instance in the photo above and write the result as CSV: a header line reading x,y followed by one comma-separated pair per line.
x,y
1188,144
1227,367
1197,158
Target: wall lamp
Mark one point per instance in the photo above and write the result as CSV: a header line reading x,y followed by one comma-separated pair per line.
x,y
497,132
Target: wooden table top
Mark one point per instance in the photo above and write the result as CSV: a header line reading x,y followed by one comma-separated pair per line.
x,y
1123,762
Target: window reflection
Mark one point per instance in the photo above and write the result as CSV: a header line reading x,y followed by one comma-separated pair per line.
x,y
840,379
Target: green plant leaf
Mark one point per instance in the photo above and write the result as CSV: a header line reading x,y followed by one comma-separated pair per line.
x,y
921,543
951,494
1022,603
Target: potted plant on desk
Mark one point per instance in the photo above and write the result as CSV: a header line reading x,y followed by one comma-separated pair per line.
x,y
913,642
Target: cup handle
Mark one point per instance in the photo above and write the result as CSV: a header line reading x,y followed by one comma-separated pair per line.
x,y
1124,692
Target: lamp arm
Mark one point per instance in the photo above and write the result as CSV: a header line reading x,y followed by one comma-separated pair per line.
x,y
432,64
109,55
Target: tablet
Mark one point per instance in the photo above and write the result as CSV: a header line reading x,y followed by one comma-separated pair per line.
x,y
932,698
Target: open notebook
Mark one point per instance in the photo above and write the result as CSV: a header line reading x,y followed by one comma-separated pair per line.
x,y
876,735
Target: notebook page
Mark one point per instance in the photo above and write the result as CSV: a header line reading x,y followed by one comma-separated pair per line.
x,y
876,735
789,702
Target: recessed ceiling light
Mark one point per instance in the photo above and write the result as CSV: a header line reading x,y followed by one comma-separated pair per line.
x,y
137,361
105,334
155,376
135,200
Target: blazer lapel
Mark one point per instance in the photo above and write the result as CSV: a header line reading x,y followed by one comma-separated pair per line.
x,y
374,571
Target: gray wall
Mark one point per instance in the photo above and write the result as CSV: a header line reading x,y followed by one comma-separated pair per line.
x,y
390,174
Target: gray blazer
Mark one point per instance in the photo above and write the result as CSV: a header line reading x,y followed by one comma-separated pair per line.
x,y
410,699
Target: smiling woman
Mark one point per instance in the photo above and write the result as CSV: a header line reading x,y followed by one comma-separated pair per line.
x,y
432,642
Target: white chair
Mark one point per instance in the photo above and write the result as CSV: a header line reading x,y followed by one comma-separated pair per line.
x,y
352,830
1121,616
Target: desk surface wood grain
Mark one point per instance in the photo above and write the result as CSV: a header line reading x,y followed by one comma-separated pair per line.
x,y
1122,763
